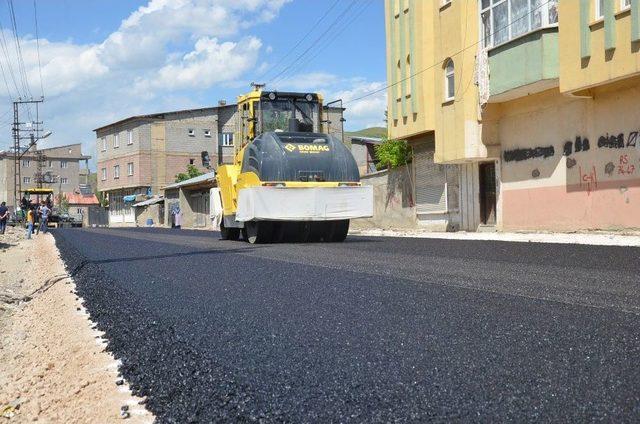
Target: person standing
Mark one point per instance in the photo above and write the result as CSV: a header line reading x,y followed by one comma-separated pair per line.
x,y
44,216
37,212
4,215
177,218
30,214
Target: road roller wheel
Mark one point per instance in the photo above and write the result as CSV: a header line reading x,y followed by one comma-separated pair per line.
x,y
338,231
258,231
229,233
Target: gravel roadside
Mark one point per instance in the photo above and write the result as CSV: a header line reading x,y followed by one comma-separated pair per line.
x,y
53,364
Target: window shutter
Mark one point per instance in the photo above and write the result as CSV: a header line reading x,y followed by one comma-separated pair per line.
x,y
431,189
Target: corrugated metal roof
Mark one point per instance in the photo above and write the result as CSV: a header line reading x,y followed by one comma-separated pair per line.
x,y
193,181
148,202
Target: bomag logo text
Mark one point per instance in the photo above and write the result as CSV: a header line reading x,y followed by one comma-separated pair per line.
x,y
312,148
306,148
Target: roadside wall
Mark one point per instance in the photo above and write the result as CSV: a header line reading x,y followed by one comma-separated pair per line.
x,y
154,212
393,205
572,164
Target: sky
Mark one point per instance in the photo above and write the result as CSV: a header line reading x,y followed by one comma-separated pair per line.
x,y
103,60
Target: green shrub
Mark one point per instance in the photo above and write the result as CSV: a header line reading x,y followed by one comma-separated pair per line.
x,y
392,153
192,172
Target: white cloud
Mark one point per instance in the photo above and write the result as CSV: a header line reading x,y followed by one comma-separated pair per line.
x,y
160,50
164,56
362,113
209,63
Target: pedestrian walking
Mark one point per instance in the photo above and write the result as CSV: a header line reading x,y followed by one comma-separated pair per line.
x,y
4,215
44,216
30,220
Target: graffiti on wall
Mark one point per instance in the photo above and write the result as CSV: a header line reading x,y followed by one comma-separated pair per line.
x,y
528,153
618,141
615,156
588,179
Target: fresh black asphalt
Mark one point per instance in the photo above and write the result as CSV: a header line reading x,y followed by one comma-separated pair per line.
x,y
370,330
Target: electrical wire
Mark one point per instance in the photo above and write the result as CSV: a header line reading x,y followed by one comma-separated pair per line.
x,y
316,41
320,49
21,67
5,51
35,18
371,93
303,38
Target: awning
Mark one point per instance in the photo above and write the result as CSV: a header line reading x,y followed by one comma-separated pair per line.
x,y
148,202
129,198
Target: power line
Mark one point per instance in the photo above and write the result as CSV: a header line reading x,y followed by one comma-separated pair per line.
x,y
5,51
334,36
371,93
21,67
35,18
316,41
305,36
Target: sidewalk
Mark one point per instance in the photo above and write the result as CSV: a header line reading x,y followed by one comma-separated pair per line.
x,y
595,238
53,363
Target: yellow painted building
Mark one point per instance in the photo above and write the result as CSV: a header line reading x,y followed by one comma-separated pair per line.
x,y
534,102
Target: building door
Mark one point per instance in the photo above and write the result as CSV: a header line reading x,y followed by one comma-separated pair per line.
x,y
488,193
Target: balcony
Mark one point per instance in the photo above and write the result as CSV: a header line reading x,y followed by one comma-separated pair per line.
x,y
521,38
525,65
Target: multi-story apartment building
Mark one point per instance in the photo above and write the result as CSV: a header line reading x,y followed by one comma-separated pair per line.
x,y
533,101
64,169
143,154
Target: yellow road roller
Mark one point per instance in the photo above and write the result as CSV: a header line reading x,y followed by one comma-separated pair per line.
x,y
289,181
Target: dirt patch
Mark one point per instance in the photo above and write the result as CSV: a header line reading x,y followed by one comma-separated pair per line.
x,y
53,366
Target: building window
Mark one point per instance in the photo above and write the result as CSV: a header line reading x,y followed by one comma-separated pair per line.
x,y
26,180
50,164
599,9
130,168
207,133
226,139
79,211
104,174
192,161
116,172
104,144
63,164
624,4
26,163
504,20
64,181
191,132
449,81
129,137
116,141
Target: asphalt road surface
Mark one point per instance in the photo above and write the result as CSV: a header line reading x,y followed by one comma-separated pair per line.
x,y
369,330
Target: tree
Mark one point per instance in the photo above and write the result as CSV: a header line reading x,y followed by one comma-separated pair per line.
x,y
63,203
192,172
392,153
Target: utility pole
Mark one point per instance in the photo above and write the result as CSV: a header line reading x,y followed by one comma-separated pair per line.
x,y
17,137
40,160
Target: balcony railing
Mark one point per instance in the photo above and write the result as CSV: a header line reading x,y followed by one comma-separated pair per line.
x,y
504,20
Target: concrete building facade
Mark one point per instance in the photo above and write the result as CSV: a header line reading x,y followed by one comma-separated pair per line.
x,y
142,154
534,102
65,169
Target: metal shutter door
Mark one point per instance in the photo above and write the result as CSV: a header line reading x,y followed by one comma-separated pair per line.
x,y
431,189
